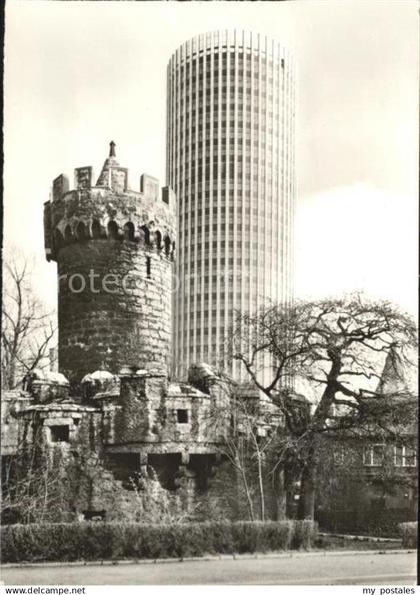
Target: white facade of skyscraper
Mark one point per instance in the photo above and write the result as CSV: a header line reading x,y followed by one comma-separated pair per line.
x,y
231,163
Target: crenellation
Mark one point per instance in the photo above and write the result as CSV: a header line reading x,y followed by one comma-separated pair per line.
x,y
60,186
98,216
149,186
83,177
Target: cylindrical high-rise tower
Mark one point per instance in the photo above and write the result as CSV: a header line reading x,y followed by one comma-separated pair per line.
x,y
114,252
231,163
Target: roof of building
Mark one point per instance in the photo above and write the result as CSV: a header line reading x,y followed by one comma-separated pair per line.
x,y
66,405
398,376
181,389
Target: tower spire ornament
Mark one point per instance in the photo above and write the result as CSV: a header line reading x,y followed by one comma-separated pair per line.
x,y
112,149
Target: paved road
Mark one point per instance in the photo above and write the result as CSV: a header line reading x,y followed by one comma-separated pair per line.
x,y
299,568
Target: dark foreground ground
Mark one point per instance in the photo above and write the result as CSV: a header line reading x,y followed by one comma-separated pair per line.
x,y
329,568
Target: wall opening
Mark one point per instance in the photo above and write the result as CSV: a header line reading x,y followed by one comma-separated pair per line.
x,y
113,230
94,515
166,468
145,234
125,467
148,266
167,246
182,416
81,231
68,236
158,240
129,232
96,229
60,433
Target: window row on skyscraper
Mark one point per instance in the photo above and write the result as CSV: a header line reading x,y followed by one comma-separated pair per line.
x,y
230,159
262,136
224,191
221,93
228,212
230,154
221,262
226,172
217,309
204,72
209,249
223,198
235,123
196,119
233,148
218,55
259,141
250,174
197,280
222,96
218,297
223,226
222,277
230,127
225,194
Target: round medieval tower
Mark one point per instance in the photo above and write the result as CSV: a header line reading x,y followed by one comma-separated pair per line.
x,y
114,249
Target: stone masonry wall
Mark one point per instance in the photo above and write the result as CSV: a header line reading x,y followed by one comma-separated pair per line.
x,y
114,249
127,322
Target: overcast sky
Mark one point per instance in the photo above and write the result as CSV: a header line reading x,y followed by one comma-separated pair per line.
x,y
78,74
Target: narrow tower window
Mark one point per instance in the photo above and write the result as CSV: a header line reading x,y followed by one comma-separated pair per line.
x,y
167,246
158,240
145,234
148,266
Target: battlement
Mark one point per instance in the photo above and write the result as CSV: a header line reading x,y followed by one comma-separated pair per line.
x,y
110,210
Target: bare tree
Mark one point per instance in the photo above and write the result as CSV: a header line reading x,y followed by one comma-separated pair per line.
x,y
332,348
28,330
33,489
246,435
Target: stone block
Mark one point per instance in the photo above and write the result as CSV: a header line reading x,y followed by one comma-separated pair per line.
x,y
60,186
83,177
119,179
149,186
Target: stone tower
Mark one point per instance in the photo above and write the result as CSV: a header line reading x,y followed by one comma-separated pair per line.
x,y
114,249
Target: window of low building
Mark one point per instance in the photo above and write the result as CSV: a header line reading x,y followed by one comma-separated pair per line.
x,y
60,433
182,416
373,455
404,456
